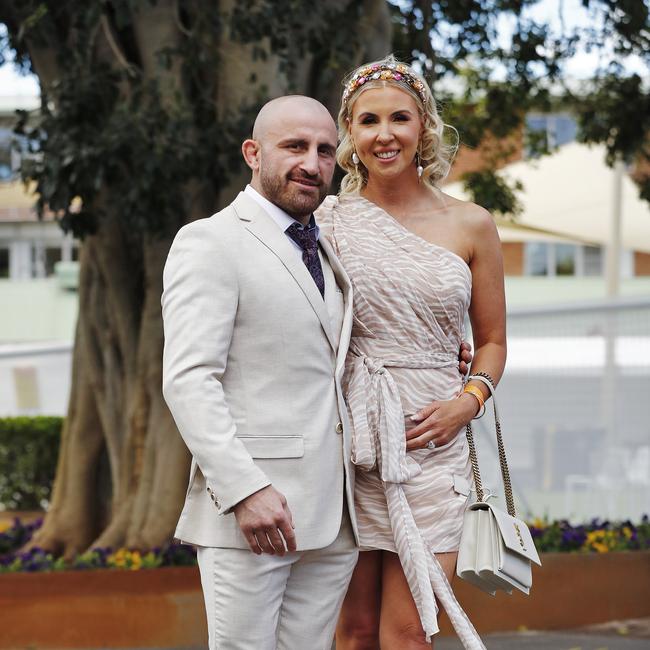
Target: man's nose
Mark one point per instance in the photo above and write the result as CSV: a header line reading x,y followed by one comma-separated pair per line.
x,y
310,162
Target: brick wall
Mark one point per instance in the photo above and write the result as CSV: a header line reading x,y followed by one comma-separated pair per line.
x,y
513,258
641,263
474,159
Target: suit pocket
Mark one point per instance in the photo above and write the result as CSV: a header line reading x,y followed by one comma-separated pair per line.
x,y
274,446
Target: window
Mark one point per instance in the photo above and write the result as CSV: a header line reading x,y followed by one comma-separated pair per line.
x,y
543,258
559,128
52,256
593,260
5,154
565,259
4,262
536,262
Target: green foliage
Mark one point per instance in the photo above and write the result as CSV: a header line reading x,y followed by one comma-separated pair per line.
x,y
294,29
492,192
616,112
28,454
107,128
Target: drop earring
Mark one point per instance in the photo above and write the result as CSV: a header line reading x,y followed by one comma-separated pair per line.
x,y
355,160
419,169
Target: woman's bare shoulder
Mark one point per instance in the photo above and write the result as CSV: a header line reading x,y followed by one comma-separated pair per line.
x,y
472,216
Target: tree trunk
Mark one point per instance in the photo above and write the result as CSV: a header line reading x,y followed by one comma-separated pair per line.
x,y
123,467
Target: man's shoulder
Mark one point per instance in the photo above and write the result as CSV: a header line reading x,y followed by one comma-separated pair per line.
x,y
220,225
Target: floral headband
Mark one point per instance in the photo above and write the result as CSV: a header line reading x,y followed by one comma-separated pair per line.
x,y
384,72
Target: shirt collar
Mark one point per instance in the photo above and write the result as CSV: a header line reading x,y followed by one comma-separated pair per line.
x,y
278,214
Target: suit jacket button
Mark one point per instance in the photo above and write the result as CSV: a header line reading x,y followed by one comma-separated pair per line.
x,y
339,427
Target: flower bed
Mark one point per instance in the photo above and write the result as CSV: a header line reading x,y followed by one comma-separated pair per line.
x,y
597,536
17,534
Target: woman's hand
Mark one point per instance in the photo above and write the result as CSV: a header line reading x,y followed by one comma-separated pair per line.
x,y
440,422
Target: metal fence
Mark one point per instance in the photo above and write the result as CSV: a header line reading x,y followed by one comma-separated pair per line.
x,y
574,403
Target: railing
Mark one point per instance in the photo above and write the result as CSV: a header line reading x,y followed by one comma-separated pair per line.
x,y
574,403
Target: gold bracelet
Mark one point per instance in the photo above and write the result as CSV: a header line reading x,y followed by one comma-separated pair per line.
x,y
476,391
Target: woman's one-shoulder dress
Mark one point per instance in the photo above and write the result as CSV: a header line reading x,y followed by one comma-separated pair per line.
x,y
410,299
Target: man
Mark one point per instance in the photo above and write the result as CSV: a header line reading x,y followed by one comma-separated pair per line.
x,y
257,314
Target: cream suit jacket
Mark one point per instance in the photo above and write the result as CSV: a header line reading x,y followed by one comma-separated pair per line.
x,y
252,375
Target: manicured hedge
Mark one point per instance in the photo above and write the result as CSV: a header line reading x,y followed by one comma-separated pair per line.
x,y
29,448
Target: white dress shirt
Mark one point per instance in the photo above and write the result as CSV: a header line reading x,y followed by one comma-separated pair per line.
x,y
279,216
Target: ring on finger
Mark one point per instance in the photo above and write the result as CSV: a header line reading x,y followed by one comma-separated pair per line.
x,y
431,444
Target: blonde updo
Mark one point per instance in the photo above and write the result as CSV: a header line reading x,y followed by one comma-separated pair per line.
x,y
435,154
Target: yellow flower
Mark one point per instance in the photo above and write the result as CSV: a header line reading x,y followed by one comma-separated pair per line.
x,y
5,525
601,541
627,532
136,561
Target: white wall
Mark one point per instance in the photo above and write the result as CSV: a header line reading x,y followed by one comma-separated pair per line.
x,y
35,378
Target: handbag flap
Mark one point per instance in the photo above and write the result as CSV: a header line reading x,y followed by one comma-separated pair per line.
x,y
515,534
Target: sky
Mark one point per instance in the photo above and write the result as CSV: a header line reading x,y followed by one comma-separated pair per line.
x,y
581,66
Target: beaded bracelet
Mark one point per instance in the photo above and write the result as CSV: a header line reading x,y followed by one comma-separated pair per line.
x,y
486,376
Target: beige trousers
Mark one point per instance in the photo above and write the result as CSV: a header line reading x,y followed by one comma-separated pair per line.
x,y
267,602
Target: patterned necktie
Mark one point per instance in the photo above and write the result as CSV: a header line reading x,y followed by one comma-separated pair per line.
x,y
306,239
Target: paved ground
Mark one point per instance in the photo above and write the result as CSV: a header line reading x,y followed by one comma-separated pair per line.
x,y
617,635
551,641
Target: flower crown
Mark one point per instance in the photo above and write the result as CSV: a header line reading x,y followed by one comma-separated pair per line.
x,y
384,72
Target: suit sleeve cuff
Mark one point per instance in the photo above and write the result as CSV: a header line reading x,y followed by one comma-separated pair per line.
x,y
225,505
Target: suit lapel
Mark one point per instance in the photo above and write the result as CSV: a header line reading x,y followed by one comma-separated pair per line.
x,y
261,226
343,280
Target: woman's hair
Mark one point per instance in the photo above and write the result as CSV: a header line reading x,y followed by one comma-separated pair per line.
x,y
435,154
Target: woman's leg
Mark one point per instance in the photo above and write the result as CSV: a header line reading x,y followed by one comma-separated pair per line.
x,y
358,626
400,627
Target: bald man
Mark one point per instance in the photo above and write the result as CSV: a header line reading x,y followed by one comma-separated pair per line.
x,y
257,314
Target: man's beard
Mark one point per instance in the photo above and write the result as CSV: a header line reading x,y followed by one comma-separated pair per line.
x,y
288,197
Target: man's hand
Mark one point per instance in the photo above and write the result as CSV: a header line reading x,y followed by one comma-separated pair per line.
x,y
465,357
265,519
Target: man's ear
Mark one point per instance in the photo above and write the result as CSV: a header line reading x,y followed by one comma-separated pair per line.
x,y
251,151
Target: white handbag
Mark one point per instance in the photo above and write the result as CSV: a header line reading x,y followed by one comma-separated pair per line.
x,y
496,549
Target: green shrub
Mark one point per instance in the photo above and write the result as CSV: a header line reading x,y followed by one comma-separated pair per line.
x,y
29,448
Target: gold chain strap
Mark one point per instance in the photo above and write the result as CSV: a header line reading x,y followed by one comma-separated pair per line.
x,y
503,461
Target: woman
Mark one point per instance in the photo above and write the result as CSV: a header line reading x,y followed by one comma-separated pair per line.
x,y
418,260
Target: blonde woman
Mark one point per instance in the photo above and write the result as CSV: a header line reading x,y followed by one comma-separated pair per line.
x,y
418,259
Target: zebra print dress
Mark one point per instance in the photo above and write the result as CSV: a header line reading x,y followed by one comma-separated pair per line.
x,y
410,298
